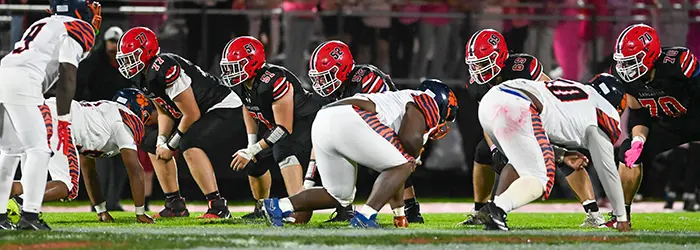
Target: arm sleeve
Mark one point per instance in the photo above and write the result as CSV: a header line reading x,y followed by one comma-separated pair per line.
x,y
70,51
123,137
603,157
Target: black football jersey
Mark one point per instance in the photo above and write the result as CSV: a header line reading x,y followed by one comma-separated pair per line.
x,y
670,90
168,70
517,66
363,79
271,83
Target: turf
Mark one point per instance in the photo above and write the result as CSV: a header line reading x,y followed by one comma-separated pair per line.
x,y
538,231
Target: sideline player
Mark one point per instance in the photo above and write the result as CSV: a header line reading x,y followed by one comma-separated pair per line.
x,y
334,76
100,129
522,116
274,98
49,52
195,114
662,87
490,64
383,131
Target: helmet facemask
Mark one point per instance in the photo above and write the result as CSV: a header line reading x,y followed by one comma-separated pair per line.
x,y
233,73
483,70
630,68
130,64
326,82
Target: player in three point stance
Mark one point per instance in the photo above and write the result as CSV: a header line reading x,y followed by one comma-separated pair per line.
x,y
274,99
49,52
195,114
335,76
522,116
100,129
383,131
490,64
662,87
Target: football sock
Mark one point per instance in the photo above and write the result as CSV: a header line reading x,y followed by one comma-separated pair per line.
x,y
410,202
172,196
213,196
590,206
521,192
286,205
628,208
3,217
8,167
34,179
146,202
478,205
367,211
30,216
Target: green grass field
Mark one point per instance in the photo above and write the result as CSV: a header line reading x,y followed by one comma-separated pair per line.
x,y
529,230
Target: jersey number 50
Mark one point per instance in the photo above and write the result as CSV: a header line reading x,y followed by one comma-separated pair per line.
x,y
566,91
666,102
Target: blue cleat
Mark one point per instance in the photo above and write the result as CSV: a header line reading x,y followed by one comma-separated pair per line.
x,y
360,221
272,212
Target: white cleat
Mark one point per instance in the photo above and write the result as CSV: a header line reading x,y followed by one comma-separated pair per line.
x,y
593,220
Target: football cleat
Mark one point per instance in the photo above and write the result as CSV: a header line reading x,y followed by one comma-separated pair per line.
x,y
217,210
494,217
173,208
612,223
342,214
472,219
272,212
360,221
400,222
35,225
593,220
7,225
690,204
257,213
14,209
413,213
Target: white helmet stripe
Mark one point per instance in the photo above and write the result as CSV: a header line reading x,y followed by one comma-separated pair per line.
x,y
314,55
472,40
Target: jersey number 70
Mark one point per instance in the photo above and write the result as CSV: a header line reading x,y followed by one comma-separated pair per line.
x,y
566,91
669,105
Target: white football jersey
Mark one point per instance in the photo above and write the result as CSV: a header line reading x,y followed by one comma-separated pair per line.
x,y
391,107
568,108
32,66
102,128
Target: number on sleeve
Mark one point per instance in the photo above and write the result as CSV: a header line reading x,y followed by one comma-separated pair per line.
x,y
167,107
566,91
31,35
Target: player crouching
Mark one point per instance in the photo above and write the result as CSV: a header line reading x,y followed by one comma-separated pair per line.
x,y
100,129
384,132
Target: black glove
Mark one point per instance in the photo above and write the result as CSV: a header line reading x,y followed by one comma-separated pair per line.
x,y
499,160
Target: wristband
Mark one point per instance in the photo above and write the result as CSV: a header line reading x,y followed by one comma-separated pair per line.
x,y
174,142
275,135
493,147
101,208
638,138
161,140
254,149
140,210
252,139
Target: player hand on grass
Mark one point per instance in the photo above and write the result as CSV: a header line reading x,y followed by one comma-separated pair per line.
x,y
144,218
575,160
105,217
624,226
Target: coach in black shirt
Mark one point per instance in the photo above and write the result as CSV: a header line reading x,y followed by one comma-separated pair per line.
x,y
98,74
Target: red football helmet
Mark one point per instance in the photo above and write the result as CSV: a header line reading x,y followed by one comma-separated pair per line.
x,y
636,49
487,53
241,58
136,49
329,67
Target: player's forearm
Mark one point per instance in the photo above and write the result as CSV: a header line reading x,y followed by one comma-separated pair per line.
x,y
640,130
488,139
165,123
251,126
65,91
136,176
186,121
92,185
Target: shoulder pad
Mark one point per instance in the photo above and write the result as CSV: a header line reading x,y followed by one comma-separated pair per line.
x,y
523,65
164,69
275,78
371,79
81,32
678,61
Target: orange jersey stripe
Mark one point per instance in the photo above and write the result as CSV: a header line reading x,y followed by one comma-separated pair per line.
x,y
73,166
134,124
429,107
82,33
384,131
48,122
609,125
546,147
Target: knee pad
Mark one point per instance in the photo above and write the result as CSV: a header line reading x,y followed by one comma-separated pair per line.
x,y
256,169
344,196
11,151
565,169
288,162
149,142
482,155
408,183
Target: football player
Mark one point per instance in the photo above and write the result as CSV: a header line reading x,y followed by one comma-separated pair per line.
x,y
100,129
522,116
662,85
490,64
334,75
273,99
362,130
48,52
195,114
